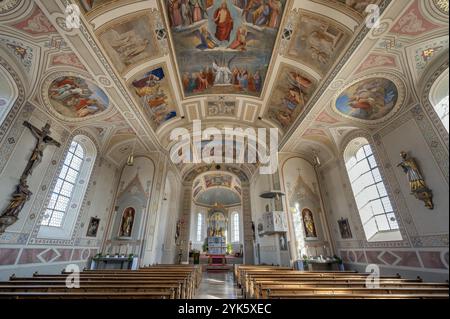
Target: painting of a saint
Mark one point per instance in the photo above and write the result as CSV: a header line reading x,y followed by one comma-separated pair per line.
x,y
93,227
130,41
127,223
75,97
292,91
224,46
344,228
153,90
308,224
369,99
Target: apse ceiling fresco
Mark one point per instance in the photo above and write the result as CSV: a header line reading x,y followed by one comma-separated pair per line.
x,y
139,68
224,46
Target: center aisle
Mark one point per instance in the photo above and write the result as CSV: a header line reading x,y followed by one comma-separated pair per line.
x,y
219,285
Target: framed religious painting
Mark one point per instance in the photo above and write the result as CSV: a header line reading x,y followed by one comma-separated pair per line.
x,y
344,228
92,230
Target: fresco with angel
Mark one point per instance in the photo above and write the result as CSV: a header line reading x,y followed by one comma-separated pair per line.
x,y
224,46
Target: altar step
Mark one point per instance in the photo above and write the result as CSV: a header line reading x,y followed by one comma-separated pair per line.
x,y
218,268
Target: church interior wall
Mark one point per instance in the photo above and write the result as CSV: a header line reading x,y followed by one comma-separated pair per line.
x,y
22,251
424,246
302,192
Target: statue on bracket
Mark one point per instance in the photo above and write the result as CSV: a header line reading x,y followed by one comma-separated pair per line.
x,y
22,194
416,181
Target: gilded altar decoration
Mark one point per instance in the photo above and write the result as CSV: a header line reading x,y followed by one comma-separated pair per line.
x,y
22,194
126,226
308,224
416,181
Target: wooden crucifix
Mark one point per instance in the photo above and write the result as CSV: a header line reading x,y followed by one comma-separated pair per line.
x,y
22,194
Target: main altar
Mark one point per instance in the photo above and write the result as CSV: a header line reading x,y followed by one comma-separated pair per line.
x,y
217,238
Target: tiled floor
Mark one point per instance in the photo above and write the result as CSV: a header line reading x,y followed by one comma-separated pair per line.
x,y
218,286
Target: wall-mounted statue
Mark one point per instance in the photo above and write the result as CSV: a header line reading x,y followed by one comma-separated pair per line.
x,y
126,226
416,181
308,223
22,194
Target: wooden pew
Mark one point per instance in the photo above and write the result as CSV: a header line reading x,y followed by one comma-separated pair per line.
x,y
260,282
332,291
263,286
86,295
162,282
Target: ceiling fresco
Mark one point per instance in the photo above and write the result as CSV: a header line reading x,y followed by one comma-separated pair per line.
x,y
74,97
148,66
153,91
130,41
317,41
370,99
224,46
292,91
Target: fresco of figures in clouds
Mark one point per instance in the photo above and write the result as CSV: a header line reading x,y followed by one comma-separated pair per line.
x,y
293,89
369,99
74,97
317,42
130,41
153,90
224,46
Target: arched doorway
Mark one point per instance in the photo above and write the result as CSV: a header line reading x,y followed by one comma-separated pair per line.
x,y
205,189
216,217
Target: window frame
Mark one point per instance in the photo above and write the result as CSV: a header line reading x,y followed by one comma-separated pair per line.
x,y
199,228
74,209
51,221
235,227
352,159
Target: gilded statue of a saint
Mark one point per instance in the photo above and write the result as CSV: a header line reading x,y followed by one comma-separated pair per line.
x,y
416,181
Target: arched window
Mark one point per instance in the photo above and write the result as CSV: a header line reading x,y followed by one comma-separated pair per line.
x,y
235,227
63,191
8,94
375,208
66,197
199,227
439,98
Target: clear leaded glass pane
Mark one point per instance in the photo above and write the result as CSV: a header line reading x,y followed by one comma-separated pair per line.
x,y
63,190
370,193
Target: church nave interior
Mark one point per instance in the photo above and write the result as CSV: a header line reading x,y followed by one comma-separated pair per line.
x,y
224,149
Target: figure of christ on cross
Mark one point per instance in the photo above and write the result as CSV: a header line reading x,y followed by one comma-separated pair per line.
x,y
22,194
42,141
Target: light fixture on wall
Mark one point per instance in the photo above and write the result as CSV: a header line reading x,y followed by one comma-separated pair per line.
x,y
130,160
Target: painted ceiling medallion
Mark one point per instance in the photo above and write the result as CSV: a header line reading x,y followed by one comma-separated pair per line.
x,y
368,100
442,5
74,97
224,46
8,5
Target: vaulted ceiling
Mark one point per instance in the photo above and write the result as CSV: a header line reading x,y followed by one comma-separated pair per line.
x,y
136,69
